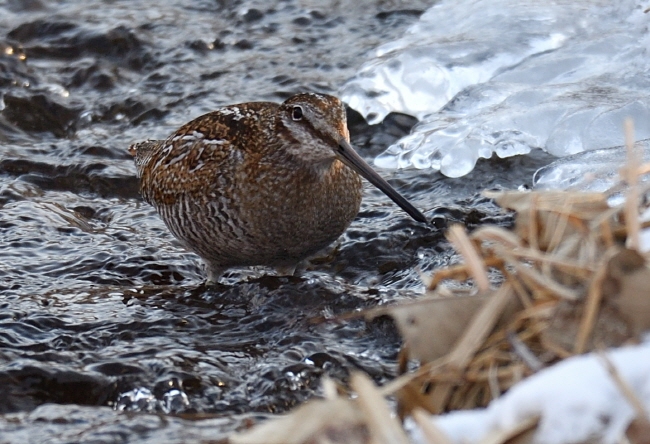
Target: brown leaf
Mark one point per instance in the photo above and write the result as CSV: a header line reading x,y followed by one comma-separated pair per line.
x,y
431,327
622,313
609,329
628,282
383,426
465,331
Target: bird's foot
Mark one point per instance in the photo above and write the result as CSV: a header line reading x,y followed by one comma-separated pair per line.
x,y
214,273
286,270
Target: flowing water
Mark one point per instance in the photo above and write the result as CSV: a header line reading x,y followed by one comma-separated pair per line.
x,y
106,331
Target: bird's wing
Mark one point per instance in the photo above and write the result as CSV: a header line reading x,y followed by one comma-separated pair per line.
x,y
201,157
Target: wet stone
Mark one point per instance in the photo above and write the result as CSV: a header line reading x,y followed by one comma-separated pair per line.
x,y
40,113
253,15
61,386
65,40
318,15
244,44
28,32
302,21
198,45
93,76
218,44
25,5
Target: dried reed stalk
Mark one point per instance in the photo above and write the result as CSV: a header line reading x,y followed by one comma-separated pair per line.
x,y
591,306
384,428
624,387
459,239
632,197
432,434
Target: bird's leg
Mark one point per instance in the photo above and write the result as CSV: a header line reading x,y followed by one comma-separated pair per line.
x,y
286,270
214,272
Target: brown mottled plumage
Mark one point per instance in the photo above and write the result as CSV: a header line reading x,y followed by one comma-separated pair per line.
x,y
258,183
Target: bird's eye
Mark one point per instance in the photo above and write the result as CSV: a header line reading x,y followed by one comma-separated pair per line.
x,y
296,113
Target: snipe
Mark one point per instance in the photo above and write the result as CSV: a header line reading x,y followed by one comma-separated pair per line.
x,y
259,183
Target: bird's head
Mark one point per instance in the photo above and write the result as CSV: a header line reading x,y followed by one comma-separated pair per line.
x,y
314,131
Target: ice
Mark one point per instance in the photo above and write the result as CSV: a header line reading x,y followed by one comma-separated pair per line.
x,y
590,171
576,400
509,76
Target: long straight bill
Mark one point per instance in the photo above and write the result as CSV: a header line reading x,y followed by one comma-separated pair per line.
x,y
350,157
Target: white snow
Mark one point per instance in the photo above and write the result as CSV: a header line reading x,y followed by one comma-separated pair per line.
x,y
508,76
576,400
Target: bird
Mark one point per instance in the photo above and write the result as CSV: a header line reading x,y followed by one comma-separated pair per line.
x,y
259,183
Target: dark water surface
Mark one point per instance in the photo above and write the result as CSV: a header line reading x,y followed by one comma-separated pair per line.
x,y
101,312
